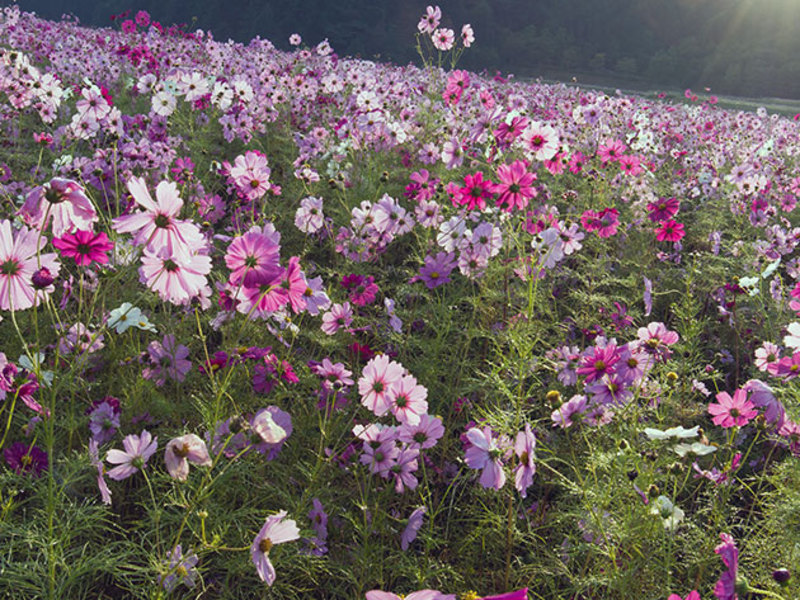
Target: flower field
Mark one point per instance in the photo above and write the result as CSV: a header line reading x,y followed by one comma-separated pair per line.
x,y
284,324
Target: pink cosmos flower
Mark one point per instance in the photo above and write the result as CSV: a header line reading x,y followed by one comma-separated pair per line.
x,y
430,20
175,277
265,295
85,247
183,450
725,589
138,450
157,228
274,531
540,141
377,378
732,412
407,400
443,39
412,527
611,152
474,193
486,455
250,174
418,595
337,317
524,447
597,362
693,595
515,187
19,262
663,210
670,231
467,35
251,255
62,200
422,435
94,457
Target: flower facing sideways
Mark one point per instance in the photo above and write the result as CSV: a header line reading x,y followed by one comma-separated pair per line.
x,y
274,531
183,450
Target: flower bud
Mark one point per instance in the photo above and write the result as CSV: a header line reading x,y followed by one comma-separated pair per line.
x,y
554,398
42,278
781,576
653,491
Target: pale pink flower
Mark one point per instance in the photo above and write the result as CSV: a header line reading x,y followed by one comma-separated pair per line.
x,y
407,400
486,455
430,20
158,228
467,35
443,39
274,531
377,378
62,200
19,262
540,141
138,450
174,277
183,450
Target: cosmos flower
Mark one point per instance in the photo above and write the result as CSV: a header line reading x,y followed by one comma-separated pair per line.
x,y
274,531
138,450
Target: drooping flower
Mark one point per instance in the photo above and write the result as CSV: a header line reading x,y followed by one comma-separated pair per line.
x,y
725,589
94,457
524,447
181,451
274,531
138,450
412,527
62,200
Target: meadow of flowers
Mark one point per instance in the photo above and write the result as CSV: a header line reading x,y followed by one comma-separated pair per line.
x,y
291,325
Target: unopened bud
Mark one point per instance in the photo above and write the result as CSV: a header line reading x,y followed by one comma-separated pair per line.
x,y
781,576
42,278
554,398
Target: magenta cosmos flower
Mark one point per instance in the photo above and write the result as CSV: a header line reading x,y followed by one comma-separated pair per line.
x,y
732,412
670,231
274,531
485,454
475,192
253,255
18,263
84,246
183,450
515,187
158,227
419,595
138,450
725,589
62,200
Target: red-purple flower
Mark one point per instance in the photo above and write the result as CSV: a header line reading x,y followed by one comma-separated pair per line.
x,y
598,362
515,187
726,586
84,246
670,231
475,193
25,458
663,210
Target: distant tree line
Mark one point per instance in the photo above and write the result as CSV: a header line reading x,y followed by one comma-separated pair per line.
x,y
744,47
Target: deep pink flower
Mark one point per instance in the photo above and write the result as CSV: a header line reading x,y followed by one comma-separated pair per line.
x,y
732,412
670,231
663,210
611,152
85,247
597,362
26,458
515,187
725,589
475,193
